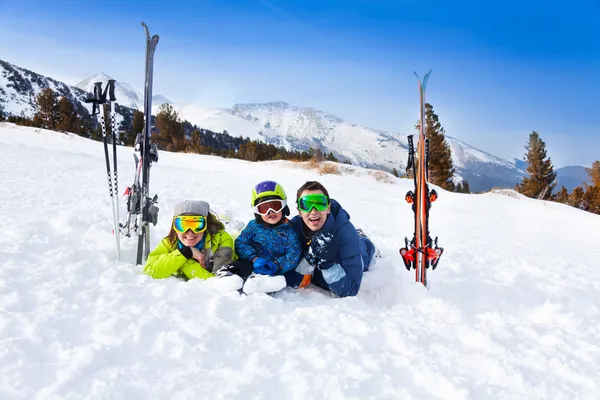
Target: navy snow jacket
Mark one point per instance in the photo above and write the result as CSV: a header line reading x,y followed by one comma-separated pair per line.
x,y
353,256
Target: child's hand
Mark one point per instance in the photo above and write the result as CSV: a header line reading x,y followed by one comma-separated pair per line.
x,y
198,256
264,267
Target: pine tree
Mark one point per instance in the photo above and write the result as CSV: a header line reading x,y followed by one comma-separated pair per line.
x,y
441,168
466,188
594,173
395,172
592,192
171,134
541,180
1,113
576,197
592,197
48,114
331,157
137,126
67,117
562,196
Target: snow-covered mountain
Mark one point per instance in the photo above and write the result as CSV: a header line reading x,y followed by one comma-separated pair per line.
x,y
571,176
19,88
278,123
482,170
125,94
304,127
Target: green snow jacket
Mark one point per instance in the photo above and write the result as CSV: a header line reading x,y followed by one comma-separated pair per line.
x,y
166,259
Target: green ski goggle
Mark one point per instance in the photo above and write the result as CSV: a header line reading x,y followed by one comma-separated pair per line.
x,y
310,201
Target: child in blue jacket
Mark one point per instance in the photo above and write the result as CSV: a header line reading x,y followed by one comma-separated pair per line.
x,y
268,247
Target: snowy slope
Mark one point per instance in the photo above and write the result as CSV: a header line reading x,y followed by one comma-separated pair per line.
x,y
482,169
125,94
218,120
509,315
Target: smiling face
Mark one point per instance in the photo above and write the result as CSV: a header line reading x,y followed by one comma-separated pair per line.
x,y
314,219
190,238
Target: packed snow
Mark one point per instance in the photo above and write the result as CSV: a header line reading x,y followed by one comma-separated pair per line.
x,y
512,310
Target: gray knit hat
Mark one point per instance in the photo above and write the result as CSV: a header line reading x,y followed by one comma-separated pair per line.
x,y
192,207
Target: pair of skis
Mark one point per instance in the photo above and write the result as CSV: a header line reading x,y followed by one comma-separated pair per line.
x,y
141,209
421,252
149,210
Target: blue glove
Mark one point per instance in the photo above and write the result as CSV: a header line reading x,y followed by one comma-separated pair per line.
x,y
265,267
324,246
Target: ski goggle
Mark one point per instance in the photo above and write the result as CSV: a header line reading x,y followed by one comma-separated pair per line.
x,y
182,223
269,205
310,201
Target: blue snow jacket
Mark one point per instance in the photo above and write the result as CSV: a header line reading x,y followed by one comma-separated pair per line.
x,y
278,243
353,256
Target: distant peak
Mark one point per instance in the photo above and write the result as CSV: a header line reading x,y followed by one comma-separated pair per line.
x,y
270,104
101,77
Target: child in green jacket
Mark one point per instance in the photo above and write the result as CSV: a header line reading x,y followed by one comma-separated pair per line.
x,y
196,245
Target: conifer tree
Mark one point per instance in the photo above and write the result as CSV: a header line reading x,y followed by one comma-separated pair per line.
x,y
67,117
47,116
562,196
541,179
576,197
171,134
466,188
137,126
594,173
441,168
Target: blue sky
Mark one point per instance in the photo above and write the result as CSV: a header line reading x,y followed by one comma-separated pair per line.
x,y
499,69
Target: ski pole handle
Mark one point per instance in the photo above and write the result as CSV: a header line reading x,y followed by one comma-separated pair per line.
x,y
111,90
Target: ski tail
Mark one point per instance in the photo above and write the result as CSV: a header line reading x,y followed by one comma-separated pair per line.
x,y
419,253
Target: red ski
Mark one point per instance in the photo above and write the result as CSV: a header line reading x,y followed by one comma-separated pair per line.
x,y
421,252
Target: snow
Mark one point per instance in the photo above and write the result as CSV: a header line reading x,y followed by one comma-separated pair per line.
x,y
511,312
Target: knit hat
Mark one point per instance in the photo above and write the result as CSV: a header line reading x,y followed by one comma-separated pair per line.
x,y
192,207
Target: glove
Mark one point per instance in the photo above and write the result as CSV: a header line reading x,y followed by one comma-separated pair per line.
x,y
324,247
265,267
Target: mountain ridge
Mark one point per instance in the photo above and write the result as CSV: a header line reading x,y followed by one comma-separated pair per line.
x,y
276,122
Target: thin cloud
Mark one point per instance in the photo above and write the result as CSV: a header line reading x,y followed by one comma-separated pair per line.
x,y
290,16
